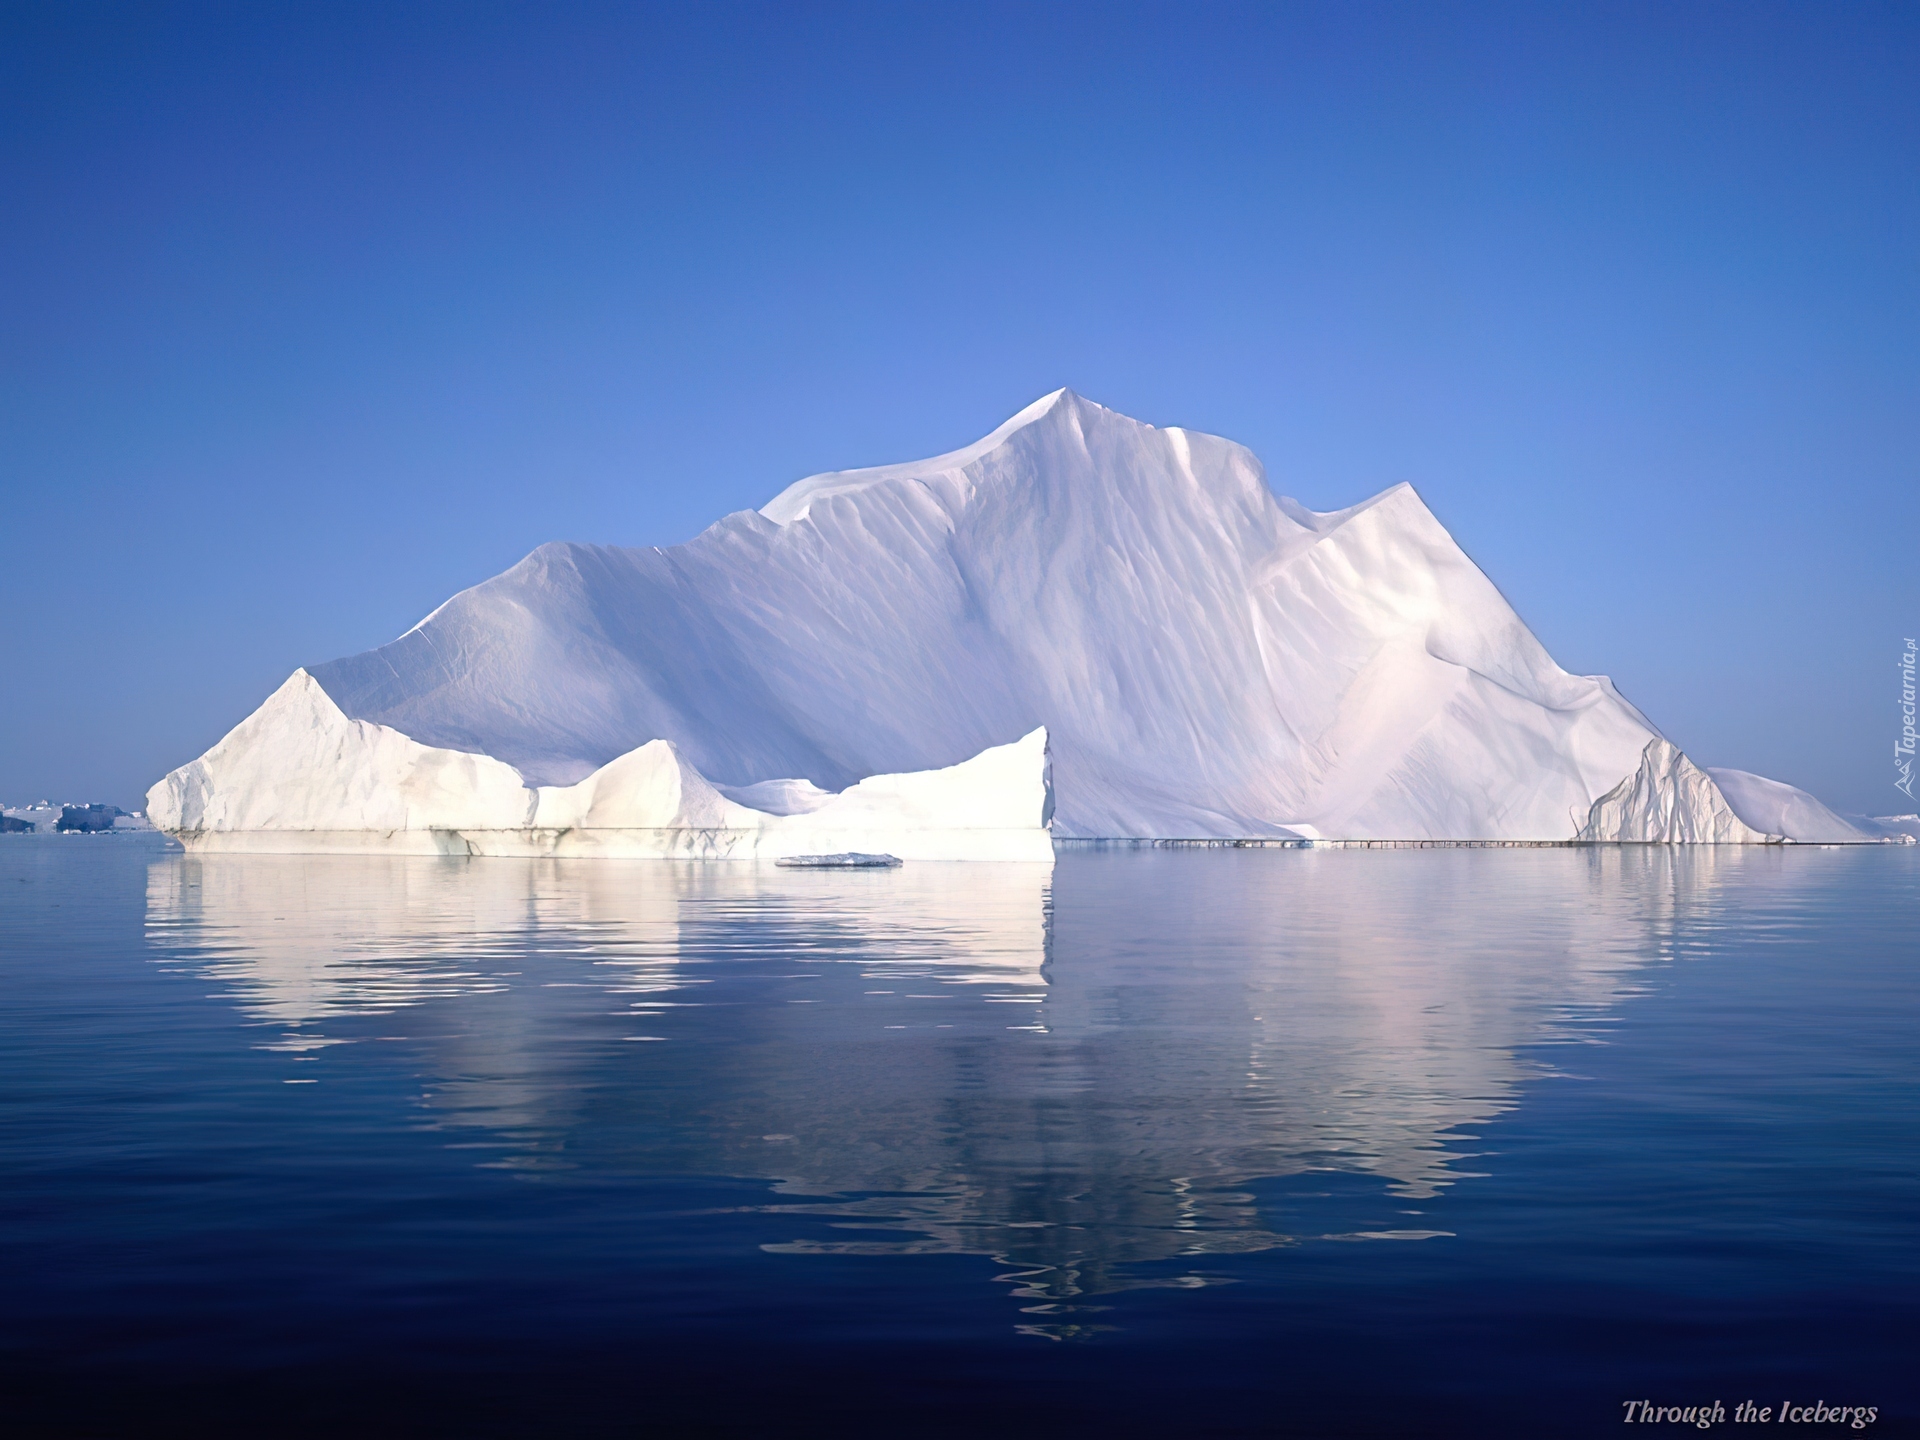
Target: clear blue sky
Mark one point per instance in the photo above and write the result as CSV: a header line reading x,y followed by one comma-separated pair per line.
x,y
311,316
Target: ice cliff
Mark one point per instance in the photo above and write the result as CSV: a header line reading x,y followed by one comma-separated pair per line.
x,y
1208,660
1669,800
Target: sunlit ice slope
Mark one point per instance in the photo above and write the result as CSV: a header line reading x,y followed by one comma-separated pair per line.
x,y
1209,660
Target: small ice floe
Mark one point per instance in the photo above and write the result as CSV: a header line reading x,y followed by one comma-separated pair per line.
x,y
848,860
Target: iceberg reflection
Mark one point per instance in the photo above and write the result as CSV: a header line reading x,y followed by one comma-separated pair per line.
x,y
1076,1069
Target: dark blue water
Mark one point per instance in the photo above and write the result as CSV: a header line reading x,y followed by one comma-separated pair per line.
x,y
1317,1143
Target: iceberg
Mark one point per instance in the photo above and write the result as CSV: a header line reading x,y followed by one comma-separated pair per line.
x,y
1895,829
1122,618
46,818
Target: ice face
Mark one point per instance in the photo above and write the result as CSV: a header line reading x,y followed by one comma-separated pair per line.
x,y
299,776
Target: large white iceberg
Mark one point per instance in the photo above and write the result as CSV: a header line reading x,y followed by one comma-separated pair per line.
x,y
1207,660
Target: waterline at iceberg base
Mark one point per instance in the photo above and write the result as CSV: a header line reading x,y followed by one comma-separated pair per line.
x,y
1081,627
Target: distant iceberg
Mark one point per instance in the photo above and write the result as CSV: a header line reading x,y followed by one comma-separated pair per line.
x,y
48,818
1197,658
1900,829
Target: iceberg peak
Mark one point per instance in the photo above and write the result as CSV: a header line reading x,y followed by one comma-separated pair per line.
x,y
794,502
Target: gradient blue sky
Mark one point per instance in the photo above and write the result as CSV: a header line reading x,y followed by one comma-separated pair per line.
x,y
311,317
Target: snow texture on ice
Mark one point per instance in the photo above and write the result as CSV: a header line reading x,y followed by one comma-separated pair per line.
x,y
1782,809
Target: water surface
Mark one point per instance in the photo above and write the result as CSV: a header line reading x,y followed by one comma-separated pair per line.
x,y
1328,1142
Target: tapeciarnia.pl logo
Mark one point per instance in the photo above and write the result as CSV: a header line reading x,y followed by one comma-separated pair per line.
x,y
1903,747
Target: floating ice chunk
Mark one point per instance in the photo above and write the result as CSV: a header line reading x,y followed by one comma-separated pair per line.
x,y
846,860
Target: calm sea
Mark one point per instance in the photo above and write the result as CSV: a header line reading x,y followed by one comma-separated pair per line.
x,y
1173,1142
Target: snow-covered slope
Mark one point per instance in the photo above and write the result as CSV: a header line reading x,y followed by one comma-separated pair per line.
x,y
298,776
1782,809
1207,659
